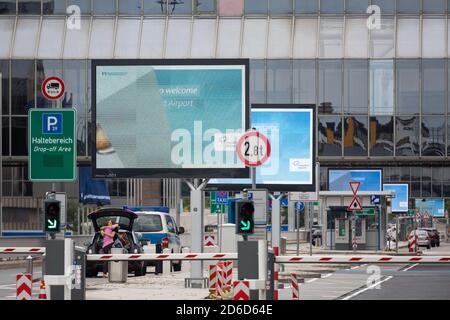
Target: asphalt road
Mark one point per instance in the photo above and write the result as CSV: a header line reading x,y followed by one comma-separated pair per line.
x,y
8,282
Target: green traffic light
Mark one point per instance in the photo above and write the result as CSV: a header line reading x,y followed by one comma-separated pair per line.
x,y
245,226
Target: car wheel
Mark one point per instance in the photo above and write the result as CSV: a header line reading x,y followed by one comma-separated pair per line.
x,y
429,246
91,274
139,271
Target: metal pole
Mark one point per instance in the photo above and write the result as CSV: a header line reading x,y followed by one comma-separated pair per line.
x,y
1,160
310,228
29,260
178,195
253,174
297,216
276,219
397,226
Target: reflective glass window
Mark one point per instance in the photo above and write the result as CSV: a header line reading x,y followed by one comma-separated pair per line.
x,y
434,38
306,6
305,38
7,6
332,6
29,6
76,44
415,189
408,38
434,6
356,6
280,6
433,136
45,69
279,38
4,70
304,81
19,133
408,6
6,34
26,37
228,39
56,7
178,38
330,86
22,86
426,189
355,136
356,38
75,75
203,38
127,38
382,39
434,89
381,87
255,6
85,5
152,41
51,38
436,189
257,81
102,38
205,6
231,7
407,136
381,137
279,81
255,38
330,136
105,6
405,174
5,136
331,37
130,7
386,6
408,86
448,139
356,86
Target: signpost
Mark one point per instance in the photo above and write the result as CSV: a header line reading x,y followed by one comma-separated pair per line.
x,y
53,88
52,144
355,205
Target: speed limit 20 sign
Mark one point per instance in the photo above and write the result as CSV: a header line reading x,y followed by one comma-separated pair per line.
x,y
53,88
253,148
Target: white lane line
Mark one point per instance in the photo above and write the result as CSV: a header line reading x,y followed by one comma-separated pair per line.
x,y
410,267
327,275
367,288
311,280
354,267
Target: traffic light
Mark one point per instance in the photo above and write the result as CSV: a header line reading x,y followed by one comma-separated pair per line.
x,y
52,215
245,212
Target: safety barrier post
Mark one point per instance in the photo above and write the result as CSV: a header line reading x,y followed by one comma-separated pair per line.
x,y
294,287
185,266
166,264
29,260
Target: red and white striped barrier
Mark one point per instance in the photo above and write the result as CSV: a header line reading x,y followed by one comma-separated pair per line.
x,y
209,240
156,256
27,250
24,285
294,286
412,241
220,279
354,244
212,277
374,259
241,290
228,273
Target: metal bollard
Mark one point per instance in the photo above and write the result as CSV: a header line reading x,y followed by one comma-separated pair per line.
x,y
29,260
166,264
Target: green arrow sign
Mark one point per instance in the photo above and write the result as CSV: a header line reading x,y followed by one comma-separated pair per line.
x,y
245,226
52,144
52,223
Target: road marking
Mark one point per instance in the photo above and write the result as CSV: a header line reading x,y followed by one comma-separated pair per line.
x,y
355,267
327,275
367,288
410,267
312,280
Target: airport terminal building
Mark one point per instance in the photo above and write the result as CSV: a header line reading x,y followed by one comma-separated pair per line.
x,y
380,83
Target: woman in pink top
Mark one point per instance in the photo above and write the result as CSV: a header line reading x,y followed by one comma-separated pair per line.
x,y
108,241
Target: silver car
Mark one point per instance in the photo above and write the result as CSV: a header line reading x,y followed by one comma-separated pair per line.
x,y
423,238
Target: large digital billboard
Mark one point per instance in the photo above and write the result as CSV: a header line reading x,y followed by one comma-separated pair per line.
x,y
291,165
169,118
400,202
431,206
339,179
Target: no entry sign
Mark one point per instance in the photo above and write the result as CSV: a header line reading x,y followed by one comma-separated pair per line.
x,y
53,88
253,148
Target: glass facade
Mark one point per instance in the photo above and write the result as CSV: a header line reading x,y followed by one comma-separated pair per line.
x,y
381,94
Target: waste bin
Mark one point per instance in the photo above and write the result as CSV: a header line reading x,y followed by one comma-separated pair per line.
x,y
118,270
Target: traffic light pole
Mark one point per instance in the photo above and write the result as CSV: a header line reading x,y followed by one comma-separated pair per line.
x,y
197,225
276,219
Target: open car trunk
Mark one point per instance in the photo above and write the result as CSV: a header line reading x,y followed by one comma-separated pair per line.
x,y
125,218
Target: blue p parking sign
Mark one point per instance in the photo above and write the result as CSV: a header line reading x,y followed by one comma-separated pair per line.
x,y
52,123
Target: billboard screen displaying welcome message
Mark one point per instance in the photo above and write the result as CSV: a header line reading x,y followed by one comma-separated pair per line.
x,y
169,118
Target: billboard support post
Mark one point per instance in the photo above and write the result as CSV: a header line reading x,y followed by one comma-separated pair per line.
x,y
276,219
397,225
197,229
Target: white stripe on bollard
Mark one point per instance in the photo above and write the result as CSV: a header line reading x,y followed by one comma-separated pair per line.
x,y
166,264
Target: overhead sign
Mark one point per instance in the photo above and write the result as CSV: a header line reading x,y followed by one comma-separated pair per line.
x,y
291,165
253,149
355,204
214,206
369,179
53,88
169,118
401,200
431,206
52,144
221,197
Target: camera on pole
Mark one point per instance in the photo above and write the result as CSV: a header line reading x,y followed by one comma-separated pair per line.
x,y
52,215
245,212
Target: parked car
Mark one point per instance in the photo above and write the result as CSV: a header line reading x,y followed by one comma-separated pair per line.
x,y
127,237
435,236
423,238
158,227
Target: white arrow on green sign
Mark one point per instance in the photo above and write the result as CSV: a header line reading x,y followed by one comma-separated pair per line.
x,y
52,223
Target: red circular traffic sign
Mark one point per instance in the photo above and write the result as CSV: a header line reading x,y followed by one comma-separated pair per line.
x,y
53,88
253,148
